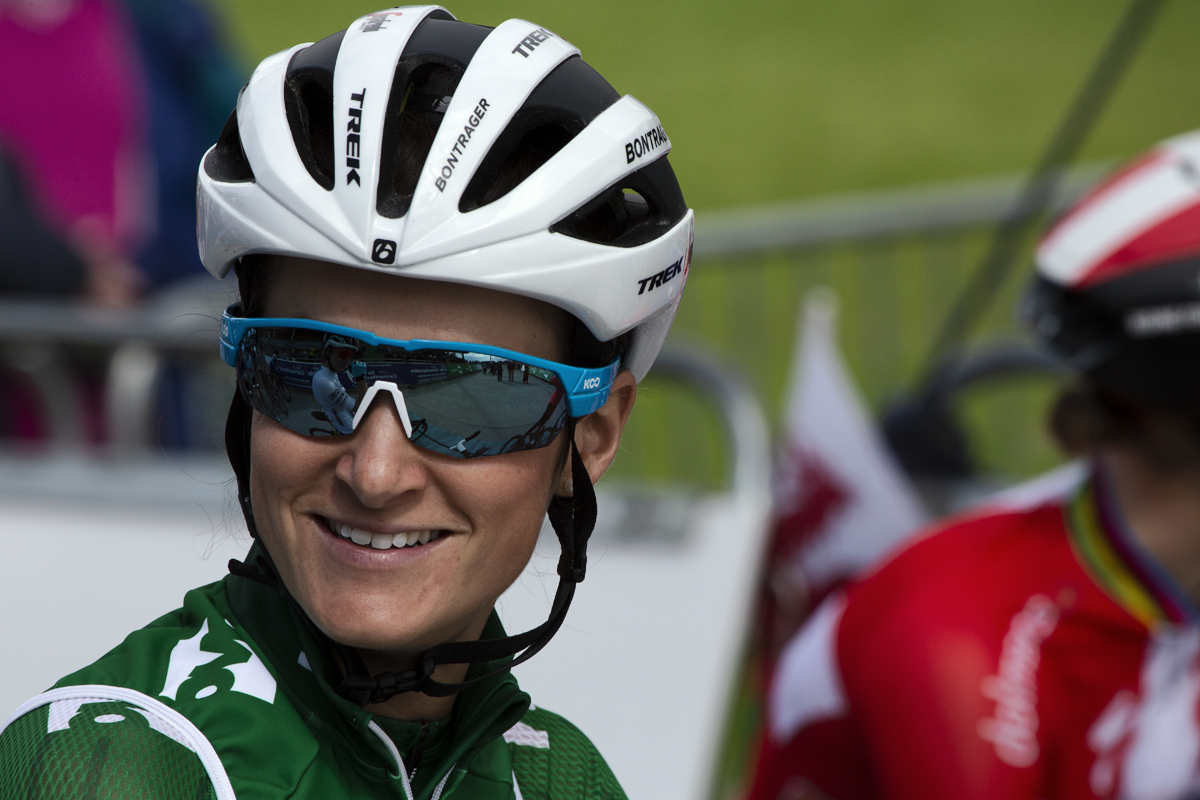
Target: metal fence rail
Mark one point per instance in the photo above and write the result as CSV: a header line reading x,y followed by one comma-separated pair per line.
x,y
897,259
863,217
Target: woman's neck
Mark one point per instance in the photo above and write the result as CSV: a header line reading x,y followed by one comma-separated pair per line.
x,y
415,705
1162,509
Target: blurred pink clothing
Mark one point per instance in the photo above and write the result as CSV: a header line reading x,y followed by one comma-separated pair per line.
x,y
72,114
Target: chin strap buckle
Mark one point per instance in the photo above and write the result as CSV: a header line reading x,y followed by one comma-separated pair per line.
x,y
572,569
364,689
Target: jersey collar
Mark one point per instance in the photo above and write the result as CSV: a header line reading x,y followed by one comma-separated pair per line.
x,y
1104,544
308,675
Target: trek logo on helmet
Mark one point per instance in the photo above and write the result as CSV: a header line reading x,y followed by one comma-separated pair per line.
x,y
645,144
354,126
384,251
654,281
1167,320
535,38
375,21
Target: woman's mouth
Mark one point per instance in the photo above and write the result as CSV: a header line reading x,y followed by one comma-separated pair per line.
x,y
380,541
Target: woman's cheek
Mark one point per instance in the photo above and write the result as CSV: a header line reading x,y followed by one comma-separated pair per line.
x,y
510,505
282,467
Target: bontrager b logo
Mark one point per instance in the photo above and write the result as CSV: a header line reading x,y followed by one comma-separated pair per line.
x,y
384,251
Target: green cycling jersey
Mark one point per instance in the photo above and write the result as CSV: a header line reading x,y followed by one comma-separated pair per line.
x,y
231,696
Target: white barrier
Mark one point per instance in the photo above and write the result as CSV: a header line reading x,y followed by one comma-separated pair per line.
x,y
92,551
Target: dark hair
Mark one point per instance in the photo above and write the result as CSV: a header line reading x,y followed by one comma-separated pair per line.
x,y
1088,416
418,123
429,86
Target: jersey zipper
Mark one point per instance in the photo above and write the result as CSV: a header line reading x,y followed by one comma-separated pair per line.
x,y
437,790
390,746
417,751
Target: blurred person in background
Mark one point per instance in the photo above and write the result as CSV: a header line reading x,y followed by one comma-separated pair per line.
x,y
1047,648
27,240
191,81
72,134
105,109
357,652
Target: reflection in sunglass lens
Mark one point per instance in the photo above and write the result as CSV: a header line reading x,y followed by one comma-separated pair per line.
x,y
460,403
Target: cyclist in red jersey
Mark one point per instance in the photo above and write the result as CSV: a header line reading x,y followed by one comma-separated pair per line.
x,y
1047,647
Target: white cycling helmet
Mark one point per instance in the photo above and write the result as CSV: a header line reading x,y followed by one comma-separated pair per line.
x,y
308,165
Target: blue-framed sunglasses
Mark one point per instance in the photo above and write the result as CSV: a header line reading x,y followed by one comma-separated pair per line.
x,y
457,399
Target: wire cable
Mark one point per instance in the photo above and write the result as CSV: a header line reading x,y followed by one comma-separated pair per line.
x,y
1042,185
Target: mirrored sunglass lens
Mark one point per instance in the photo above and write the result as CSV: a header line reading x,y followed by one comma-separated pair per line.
x,y
461,404
485,405
293,376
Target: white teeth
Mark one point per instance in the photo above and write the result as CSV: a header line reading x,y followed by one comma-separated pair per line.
x,y
381,541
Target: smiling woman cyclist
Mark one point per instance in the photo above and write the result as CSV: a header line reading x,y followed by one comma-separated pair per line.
x,y
413,206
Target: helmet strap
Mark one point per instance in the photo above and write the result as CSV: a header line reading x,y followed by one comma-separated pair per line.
x,y
572,518
237,449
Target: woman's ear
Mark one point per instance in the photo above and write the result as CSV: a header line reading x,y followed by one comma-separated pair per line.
x,y
599,434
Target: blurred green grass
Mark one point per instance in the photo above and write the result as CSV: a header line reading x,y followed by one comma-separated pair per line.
x,y
893,294
770,100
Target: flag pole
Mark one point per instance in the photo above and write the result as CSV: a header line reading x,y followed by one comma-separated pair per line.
x,y
1043,182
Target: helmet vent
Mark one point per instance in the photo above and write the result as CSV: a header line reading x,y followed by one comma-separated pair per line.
x,y
642,207
308,102
561,106
427,75
497,176
416,108
227,161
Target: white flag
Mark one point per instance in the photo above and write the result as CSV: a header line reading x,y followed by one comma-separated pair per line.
x,y
842,501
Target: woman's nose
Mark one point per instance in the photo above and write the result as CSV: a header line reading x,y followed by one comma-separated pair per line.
x,y
381,463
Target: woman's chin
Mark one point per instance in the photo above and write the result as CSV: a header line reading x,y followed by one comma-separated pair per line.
x,y
367,627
